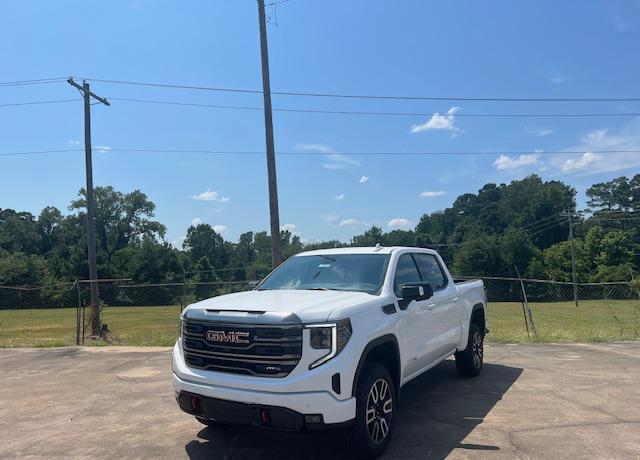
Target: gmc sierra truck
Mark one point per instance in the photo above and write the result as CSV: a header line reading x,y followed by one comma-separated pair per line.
x,y
327,340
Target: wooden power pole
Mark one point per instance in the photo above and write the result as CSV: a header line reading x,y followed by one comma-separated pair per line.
x,y
276,256
91,227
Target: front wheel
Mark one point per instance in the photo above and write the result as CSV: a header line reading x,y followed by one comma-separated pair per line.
x,y
469,361
375,403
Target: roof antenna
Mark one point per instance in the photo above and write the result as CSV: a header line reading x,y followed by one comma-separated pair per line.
x,y
378,247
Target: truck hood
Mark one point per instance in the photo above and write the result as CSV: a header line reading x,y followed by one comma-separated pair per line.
x,y
309,306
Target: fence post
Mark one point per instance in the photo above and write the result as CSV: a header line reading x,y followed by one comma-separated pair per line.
x,y
526,311
76,286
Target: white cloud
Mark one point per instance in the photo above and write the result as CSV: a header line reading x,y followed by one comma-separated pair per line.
x,y
431,194
557,77
504,162
220,229
445,122
102,148
333,160
177,243
339,197
363,179
350,221
400,223
339,161
289,228
73,142
210,195
573,164
320,148
589,161
540,132
196,221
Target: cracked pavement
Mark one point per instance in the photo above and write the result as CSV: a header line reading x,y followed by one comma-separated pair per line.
x,y
531,401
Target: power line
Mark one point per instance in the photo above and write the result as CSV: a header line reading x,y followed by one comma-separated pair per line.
x,y
58,101
39,152
39,81
376,113
311,153
363,96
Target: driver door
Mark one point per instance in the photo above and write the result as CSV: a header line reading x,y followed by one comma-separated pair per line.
x,y
418,327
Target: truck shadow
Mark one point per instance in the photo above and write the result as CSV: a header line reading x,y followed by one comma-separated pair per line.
x,y
437,412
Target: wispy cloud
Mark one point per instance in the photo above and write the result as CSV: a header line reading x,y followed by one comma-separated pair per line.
x,y
220,229
320,148
73,142
333,160
400,223
339,161
289,228
540,132
210,195
626,139
349,221
196,221
439,122
505,162
339,197
432,193
364,179
101,148
557,77
620,23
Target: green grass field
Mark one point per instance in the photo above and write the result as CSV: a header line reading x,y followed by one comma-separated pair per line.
x,y
593,321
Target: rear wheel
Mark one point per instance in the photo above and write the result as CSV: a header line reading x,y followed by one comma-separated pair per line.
x,y
375,403
469,361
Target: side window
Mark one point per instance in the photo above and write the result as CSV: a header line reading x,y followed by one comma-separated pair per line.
x,y
431,271
406,272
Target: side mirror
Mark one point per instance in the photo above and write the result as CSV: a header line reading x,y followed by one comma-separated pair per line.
x,y
415,291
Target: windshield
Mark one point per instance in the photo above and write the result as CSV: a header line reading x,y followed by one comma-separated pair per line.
x,y
340,272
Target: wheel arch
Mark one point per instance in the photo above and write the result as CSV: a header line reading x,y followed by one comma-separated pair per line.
x,y
383,350
478,316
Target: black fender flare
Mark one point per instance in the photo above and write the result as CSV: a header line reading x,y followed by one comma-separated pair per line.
x,y
387,338
476,307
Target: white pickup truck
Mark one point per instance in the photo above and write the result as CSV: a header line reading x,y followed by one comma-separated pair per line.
x,y
327,340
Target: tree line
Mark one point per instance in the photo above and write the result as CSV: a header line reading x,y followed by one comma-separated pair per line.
x,y
524,223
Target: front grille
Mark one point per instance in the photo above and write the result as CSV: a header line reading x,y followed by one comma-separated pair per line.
x,y
271,351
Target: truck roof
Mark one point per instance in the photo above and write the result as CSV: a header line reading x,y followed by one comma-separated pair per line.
x,y
361,250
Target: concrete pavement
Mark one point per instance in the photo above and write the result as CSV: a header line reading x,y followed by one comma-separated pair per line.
x,y
531,401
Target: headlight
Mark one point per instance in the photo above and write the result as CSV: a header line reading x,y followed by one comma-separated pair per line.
x,y
332,337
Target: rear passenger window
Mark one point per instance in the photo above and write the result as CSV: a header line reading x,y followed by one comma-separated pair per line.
x,y
431,271
406,272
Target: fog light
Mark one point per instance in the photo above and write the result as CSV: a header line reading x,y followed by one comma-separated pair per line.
x,y
313,418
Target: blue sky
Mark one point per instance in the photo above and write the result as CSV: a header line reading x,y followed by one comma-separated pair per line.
x,y
466,48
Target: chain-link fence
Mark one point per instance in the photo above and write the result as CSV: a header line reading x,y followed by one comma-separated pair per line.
x,y
547,311
147,314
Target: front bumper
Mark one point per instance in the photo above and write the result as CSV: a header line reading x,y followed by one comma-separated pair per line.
x,y
228,387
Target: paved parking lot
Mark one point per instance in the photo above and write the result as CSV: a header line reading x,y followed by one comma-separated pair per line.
x,y
532,401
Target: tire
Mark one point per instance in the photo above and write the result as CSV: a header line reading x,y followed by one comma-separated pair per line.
x,y
469,361
375,401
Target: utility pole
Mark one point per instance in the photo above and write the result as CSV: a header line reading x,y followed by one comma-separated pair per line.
x,y
573,257
91,227
276,257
